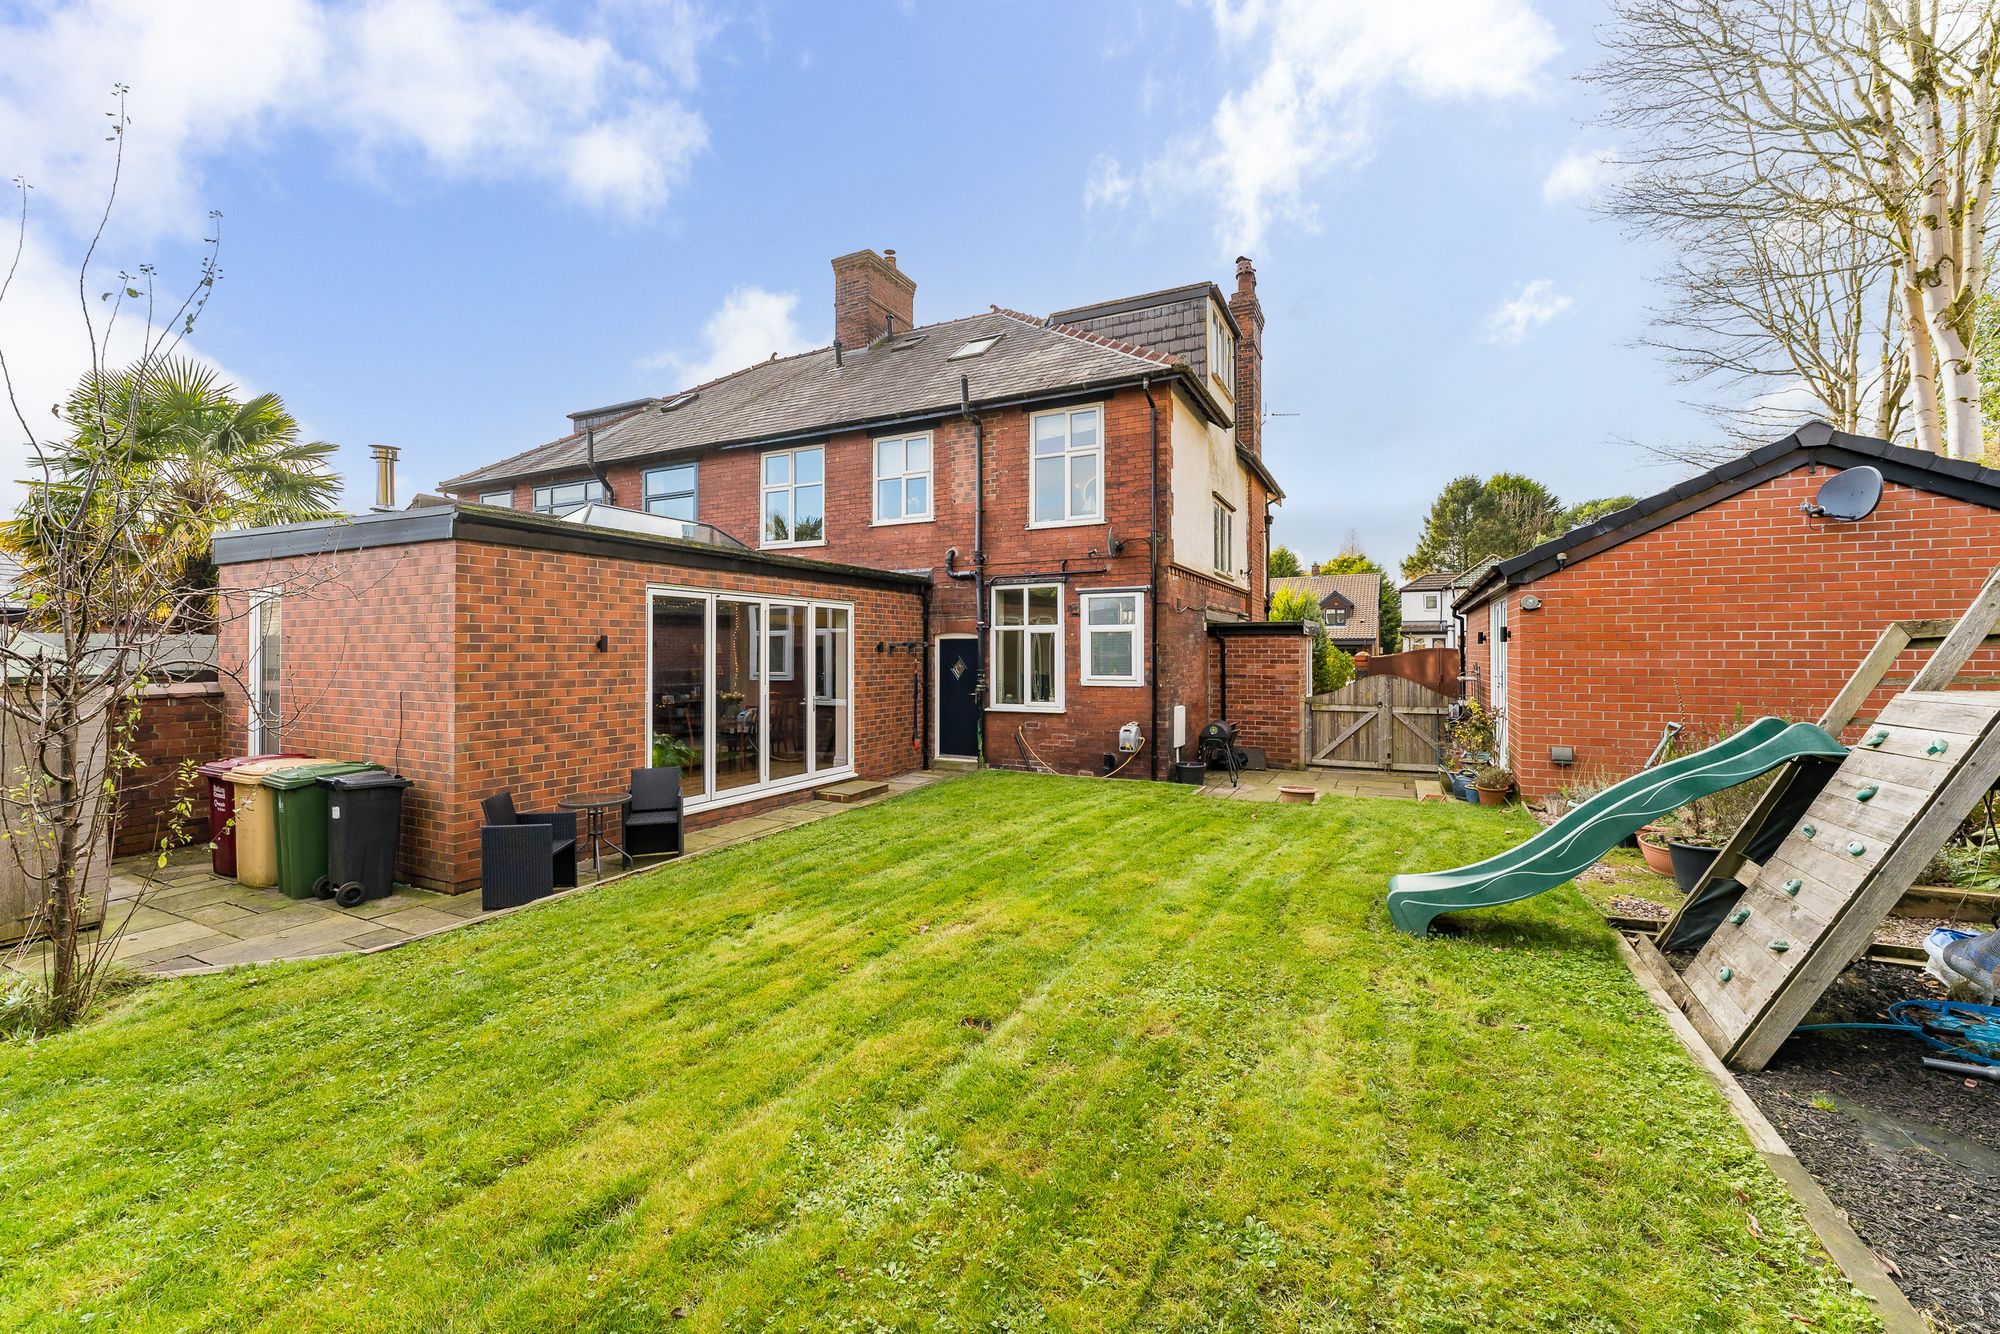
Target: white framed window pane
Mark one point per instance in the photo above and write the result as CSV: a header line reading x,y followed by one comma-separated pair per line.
x,y
1083,429
1111,653
1048,489
1120,610
1011,605
1082,485
1049,434
778,516
919,454
504,499
1008,678
1042,669
888,458
889,499
806,511
810,464
917,496
1044,605
777,469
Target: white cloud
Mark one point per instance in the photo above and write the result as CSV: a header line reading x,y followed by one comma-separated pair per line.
x,y
470,89
1108,186
1317,71
748,327
1534,305
1580,175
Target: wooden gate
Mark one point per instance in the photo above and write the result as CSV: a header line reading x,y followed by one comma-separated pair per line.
x,y
1379,722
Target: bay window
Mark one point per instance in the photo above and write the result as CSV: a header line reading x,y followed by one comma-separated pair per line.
x,y
1027,647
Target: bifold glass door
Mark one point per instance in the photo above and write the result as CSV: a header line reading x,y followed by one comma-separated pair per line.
x,y
748,694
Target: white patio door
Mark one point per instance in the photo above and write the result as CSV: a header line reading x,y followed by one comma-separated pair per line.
x,y
1496,636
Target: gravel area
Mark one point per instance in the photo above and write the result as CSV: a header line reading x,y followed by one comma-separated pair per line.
x,y
1912,1155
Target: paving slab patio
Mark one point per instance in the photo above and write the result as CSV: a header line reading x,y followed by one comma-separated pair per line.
x,y
183,918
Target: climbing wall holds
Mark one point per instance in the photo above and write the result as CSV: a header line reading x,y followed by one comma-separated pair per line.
x,y
1808,830
1725,972
1938,746
1792,887
1779,946
1876,737
1856,849
1866,793
1739,917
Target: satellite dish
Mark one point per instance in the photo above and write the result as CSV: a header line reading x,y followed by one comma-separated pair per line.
x,y
1847,496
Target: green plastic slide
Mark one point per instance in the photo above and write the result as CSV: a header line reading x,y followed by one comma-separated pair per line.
x,y
1576,841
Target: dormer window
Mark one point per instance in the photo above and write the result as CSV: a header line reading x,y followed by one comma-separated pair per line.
x,y
1336,616
1221,350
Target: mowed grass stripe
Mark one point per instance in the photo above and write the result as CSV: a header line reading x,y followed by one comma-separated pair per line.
x,y
1216,1091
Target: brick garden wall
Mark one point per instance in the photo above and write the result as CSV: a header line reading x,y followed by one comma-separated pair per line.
x,y
176,723
1265,679
1745,604
473,668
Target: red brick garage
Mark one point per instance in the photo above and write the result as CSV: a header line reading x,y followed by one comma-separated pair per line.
x,y
1720,594
479,650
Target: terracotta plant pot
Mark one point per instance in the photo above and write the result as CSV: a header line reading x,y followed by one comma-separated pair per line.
x,y
1491,796
1298,796
1656,854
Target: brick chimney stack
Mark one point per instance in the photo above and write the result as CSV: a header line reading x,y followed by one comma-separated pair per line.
x,y
1249,358
871,297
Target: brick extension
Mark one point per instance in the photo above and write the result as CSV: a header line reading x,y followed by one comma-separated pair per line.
x,y
1745,603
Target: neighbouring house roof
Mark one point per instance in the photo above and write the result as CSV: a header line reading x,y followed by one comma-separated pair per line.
x,y
1425,627
1475,573
174,657
1424,583
902,377
1813,443
1361,592
521,528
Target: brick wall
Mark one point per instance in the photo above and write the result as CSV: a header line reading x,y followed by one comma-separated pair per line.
x,y
1744,604
473,668
1265,679
175,723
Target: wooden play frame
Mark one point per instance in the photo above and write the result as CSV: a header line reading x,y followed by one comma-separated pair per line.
x,y
1746,1024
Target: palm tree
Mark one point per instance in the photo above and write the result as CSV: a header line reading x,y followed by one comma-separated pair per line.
x,y
202,460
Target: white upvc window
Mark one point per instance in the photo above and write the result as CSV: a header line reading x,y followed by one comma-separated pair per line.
x,y
1066,485
563,497
503,499
1114,626
265,670
671,491
903,479
1430,602
1028,648
1224,555
1221,350
795,497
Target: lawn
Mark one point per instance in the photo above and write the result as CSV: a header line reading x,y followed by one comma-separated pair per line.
x,y
1007,1053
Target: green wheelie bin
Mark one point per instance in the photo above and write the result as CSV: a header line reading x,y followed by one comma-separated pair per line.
x,y
300,815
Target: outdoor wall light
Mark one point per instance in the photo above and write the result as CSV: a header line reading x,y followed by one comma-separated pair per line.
x,y
1562,756
604,643
1531,603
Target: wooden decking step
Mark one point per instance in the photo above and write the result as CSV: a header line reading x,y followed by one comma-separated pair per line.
x,y
855,789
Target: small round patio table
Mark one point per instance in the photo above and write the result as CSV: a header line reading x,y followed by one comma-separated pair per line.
x,y
594,807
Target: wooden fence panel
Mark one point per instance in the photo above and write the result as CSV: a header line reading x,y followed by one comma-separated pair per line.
x,y
1378,722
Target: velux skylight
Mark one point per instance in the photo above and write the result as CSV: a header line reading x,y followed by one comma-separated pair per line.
x,y
977,347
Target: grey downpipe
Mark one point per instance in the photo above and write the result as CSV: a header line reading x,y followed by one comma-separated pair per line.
x,y
1153,578
978,548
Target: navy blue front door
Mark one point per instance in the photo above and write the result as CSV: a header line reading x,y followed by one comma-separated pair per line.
x,y
958,696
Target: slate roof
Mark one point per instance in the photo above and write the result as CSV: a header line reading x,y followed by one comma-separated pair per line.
x,y
903,377
1173,321
1361,592
1813,443
1475,573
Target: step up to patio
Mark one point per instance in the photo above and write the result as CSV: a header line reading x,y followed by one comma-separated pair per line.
x,y
855,789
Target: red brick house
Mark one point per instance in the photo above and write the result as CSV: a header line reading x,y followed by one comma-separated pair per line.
x,y
1084,495
1719,594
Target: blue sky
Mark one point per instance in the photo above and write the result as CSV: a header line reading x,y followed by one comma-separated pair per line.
x,y
449,222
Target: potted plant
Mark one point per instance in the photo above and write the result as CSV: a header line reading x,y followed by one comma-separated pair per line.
x,y
1493,783
1469,744
1653,845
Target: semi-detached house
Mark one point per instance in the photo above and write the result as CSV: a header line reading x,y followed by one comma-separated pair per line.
x,y
1084,493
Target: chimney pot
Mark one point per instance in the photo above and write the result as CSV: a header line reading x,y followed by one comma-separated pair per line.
x,y
890,255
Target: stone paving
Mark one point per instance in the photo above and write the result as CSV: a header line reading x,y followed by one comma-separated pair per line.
x,y
183,918
1263,785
